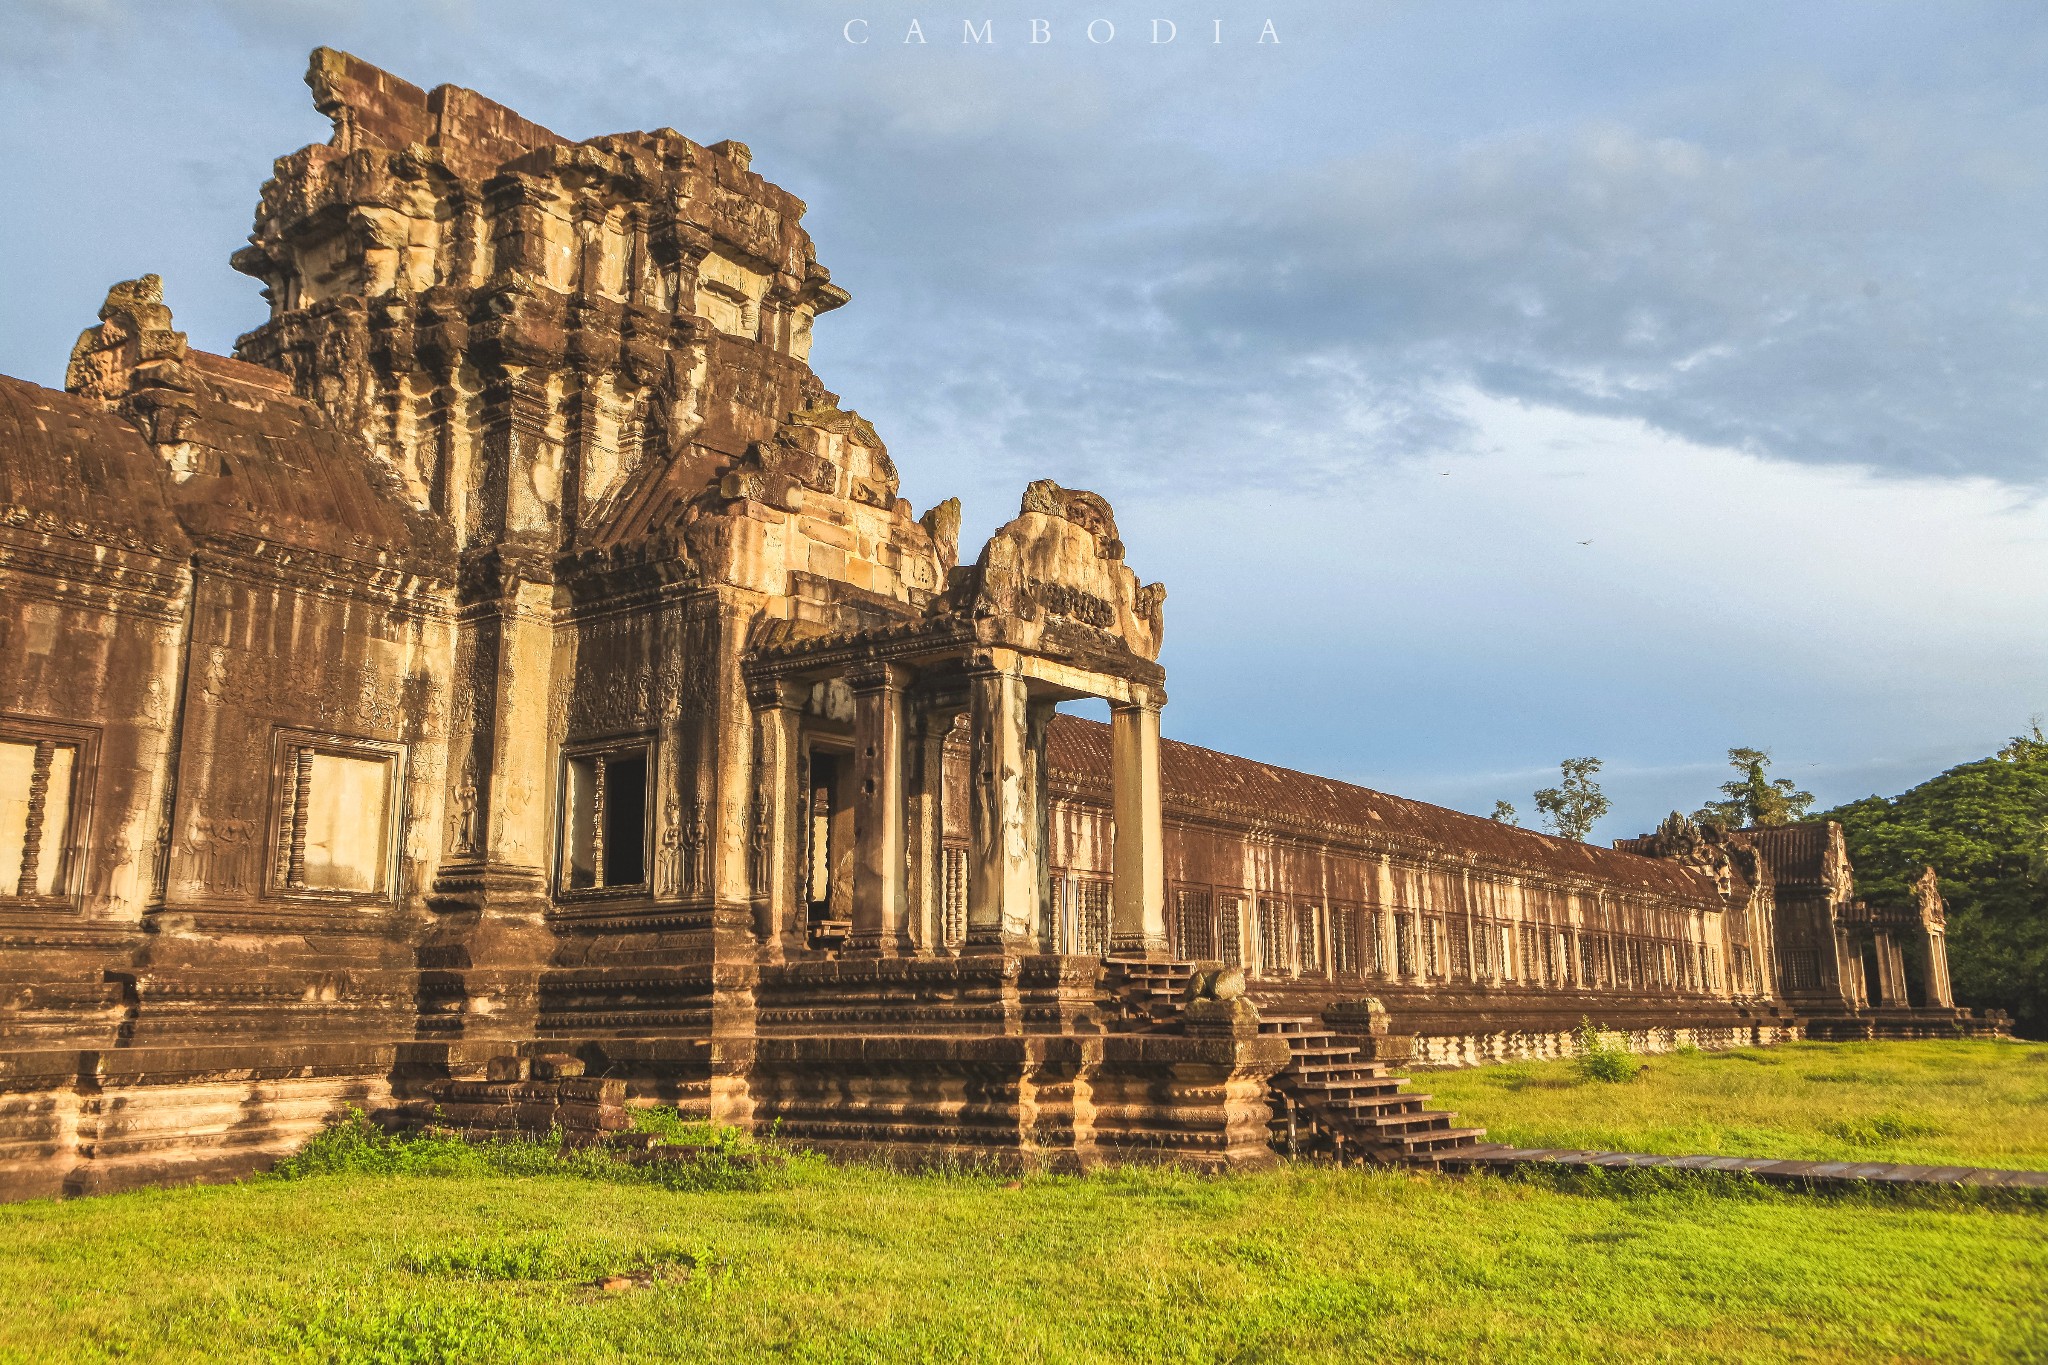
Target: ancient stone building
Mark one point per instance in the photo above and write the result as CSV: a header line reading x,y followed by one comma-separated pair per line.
x,y
514,648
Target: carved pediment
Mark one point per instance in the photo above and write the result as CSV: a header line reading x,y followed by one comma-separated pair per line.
x,y
1058,569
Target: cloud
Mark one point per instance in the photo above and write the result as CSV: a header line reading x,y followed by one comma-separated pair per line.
x,y
1756,304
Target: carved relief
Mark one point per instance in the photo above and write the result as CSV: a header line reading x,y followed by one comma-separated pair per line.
x,y
466,799
694,844
668,864
760,872
221,849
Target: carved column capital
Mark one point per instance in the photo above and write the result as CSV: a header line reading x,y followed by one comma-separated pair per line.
x,y
773,694
877,676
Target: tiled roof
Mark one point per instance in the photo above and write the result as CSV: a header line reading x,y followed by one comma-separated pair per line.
x,y
280,471
1796,853
1198,780
71,460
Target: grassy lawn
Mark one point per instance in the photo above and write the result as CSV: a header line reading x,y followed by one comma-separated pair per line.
x,y
374,1249
1945,1103
822,1264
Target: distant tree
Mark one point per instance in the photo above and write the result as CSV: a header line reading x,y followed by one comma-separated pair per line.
x,y
1980,826
1574,805
1755,797
1506,814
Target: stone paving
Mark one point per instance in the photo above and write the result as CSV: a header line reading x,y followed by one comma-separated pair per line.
x,y
1499,1157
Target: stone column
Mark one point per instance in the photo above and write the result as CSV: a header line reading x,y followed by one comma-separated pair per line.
x,y
1138,913
778,904
1002,864
879,861
491,891
1890,986
1037,723
730,758
1935,981
925,831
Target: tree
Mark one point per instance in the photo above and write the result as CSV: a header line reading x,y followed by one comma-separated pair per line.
x,y
1506,814
1574,805
1755,798
1980,827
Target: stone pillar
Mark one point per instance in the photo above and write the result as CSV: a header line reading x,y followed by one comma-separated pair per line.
x,y
879,861
1037,724
778,903
1938,993
1138,914
1891,971
1002,864
925,823
491,891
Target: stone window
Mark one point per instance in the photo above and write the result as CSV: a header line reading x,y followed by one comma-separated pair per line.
x,y
1528,947
1308,939
1375,944
336,808
1433,946
1548,941
953,897
1461,951
1343,941
1273,934
1230,930
1404,945
604,819
43,775
1589,974
1091,900
1194,925
1801,967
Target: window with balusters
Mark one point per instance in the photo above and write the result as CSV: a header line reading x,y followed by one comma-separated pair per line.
x,y
44,776
336,816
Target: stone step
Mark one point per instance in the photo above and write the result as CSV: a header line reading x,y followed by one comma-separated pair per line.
x,y
1341,1095
1331,1088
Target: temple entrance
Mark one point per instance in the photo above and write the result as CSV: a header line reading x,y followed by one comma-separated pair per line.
x,y
828,852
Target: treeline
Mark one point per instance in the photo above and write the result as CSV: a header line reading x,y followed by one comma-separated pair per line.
x,y
1983,827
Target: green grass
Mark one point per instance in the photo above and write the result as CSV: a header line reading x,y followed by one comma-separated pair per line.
x,y
1945,1103
377,1249
427,1249
864,1265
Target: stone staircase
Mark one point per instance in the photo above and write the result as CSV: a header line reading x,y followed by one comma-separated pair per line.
x,y
1145,996
1333,1101
1330,1101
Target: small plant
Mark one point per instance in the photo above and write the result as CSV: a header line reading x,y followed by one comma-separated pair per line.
x,y
1600,1058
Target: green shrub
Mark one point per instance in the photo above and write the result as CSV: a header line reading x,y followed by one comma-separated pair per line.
x,y
1601,1060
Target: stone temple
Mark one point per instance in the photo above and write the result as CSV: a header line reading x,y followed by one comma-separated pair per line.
x,y
514,652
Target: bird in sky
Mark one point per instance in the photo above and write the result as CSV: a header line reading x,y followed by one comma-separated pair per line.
x,y
1585,542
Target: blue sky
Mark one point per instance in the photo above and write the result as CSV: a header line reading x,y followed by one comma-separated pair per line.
x,y
1364,333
